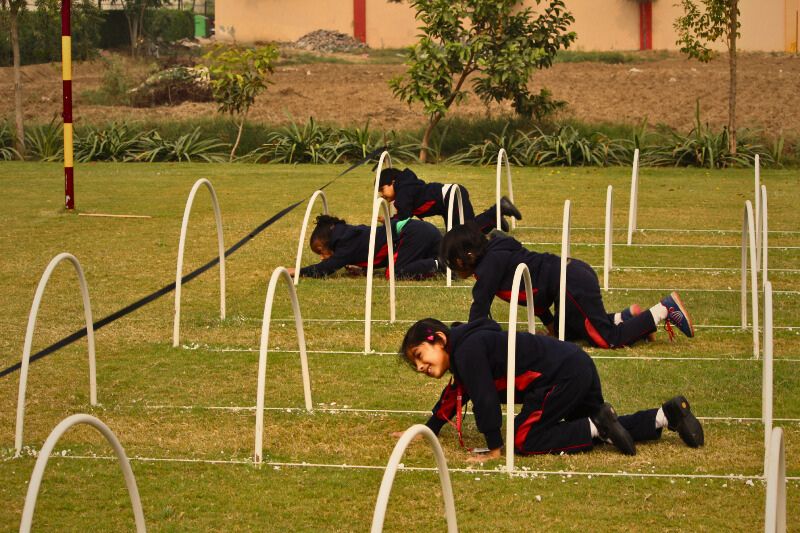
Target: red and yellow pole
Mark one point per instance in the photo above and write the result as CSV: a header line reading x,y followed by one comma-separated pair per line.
x,y
66,77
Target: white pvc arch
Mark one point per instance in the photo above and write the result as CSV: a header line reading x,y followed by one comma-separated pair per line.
x,y
379,515
749,243
277,274
764,231
634,203
302,241
775,509
47,449
767,375
377,206
565,250
384,156
456,192
608,241
500,155
757,206
521,273
182,244
26,350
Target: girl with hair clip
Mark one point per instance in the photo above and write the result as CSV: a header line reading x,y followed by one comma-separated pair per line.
x,y
556,382
493,262
416,245
413,197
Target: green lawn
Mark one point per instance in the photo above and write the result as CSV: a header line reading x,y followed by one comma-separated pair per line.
x,y
186,417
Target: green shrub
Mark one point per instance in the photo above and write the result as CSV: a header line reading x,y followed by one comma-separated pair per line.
x,y
7,150
40,33
116,142
46,142
188,147
169,25
114,87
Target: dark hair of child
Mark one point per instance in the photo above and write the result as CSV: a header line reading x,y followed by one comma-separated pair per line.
x,y
421,331
463,247
388,175
324,229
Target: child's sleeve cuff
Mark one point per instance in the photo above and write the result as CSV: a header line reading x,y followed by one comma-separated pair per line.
x,y
435,424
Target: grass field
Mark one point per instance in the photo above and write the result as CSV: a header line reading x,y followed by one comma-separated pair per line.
x,y
186,417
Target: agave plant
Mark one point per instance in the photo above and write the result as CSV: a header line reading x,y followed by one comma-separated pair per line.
x,y
114,143
567,147
310,143
703,147
7,150
46,143
517,145
188,147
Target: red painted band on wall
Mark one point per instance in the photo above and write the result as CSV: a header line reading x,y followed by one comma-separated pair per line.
x,y
360,20
645,25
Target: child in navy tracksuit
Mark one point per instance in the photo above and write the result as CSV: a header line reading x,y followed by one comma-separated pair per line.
x,y
413,197
416,245
493,262
556,382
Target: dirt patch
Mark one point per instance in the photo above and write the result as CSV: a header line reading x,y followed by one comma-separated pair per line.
x,y
664,91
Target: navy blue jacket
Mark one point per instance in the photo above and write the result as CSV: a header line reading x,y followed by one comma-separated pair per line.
x,y
479,363
495,274
350,246
414,197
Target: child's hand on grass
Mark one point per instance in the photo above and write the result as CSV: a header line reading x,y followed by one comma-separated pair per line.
x,y
290,270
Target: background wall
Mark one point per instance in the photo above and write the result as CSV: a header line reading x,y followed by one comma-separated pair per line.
x,y
767,25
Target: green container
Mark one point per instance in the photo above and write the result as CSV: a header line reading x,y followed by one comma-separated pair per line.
x,y
200,26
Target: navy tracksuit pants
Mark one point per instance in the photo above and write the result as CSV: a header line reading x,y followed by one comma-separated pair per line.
x,y
417,247
485,221
587,318
553,418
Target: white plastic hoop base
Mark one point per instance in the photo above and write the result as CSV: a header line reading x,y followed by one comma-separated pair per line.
x,y
379,515
450,204
565,251
379,206
302,240
176,325
521,273
26,350
278,274
498,193
47,449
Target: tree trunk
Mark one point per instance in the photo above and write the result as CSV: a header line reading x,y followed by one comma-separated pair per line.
x,y
18,117
426,138
732,33
132,31
238,136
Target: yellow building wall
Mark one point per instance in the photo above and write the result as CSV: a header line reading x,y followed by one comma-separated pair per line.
x,y
248,21
600,24
792,31
760,21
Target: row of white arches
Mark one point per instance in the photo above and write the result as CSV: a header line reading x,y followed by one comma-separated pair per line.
x,y
773,439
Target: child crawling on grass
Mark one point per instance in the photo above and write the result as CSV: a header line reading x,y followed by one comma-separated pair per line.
x,y
494,260
413,197
556,382
415,242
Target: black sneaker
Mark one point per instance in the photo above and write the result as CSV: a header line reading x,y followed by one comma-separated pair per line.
x,y
607,424
504,225
509,209
681,419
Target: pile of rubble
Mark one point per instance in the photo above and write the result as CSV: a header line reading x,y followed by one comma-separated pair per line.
x,y
329,41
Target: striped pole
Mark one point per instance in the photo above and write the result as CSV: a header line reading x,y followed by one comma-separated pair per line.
x,y
66,77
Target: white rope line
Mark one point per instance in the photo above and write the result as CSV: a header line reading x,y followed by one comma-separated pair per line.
x,y
521,472
667,290
407,321
662,230
732,357
355,410
621,245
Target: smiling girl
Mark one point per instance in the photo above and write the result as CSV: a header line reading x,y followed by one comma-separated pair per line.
x,y
556,382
